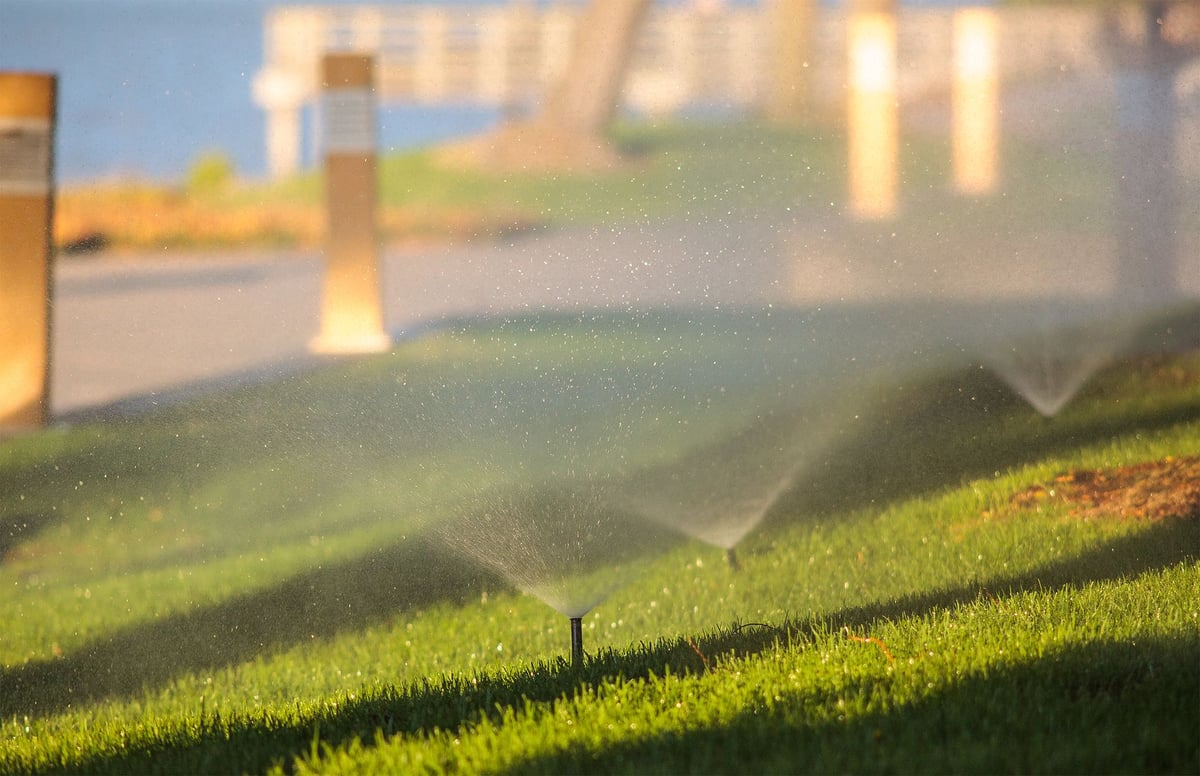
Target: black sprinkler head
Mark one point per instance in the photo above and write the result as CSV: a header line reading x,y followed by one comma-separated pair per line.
x,y
576,640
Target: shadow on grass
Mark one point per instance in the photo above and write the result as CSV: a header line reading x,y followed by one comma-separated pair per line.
x,y
169,446
18,527
45,488
318,604
1118,675
961,427
1098,708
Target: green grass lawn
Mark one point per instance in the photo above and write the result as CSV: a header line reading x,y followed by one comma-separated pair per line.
x,y
699,170
261,579
672,169
693,170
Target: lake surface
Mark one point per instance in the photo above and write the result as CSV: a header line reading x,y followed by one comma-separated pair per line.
x,y
146,86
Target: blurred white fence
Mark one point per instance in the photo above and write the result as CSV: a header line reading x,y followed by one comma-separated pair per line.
x,y
702,52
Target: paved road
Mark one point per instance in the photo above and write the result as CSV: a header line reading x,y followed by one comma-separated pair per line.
x,y
142,330
136,330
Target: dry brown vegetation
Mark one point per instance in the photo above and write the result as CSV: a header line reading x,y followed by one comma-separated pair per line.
x,y
146,217
1151,490
138,217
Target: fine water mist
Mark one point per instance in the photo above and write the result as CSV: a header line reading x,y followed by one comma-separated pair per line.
x,y
718,492
563,542
747,335
543,411
1054,351
610,391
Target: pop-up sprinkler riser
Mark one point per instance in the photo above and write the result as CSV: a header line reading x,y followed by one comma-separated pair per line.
x,y
576,640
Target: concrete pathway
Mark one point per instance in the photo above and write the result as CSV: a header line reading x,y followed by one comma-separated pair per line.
x,y
132,332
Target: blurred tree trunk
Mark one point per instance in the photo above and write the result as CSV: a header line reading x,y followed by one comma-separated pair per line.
x,y
585,100
569,132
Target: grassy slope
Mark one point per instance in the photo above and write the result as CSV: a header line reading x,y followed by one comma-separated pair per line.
x,y
674,171
693,171
244,581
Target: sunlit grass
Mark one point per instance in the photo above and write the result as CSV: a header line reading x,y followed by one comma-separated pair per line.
x,y
246,581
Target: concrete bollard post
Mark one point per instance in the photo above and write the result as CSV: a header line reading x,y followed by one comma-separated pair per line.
x,y
975,101
351,309
872,120
27,108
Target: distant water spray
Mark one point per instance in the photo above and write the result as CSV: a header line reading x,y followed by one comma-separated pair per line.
x,y
719,492
1050,360
589,444
756,416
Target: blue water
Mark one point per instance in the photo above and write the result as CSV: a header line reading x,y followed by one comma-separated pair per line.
x,y
146,86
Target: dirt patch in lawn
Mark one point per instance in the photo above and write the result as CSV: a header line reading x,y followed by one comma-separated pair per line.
x,y
1153,490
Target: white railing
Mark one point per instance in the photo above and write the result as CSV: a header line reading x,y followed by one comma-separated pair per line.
x,y
498,55
700,52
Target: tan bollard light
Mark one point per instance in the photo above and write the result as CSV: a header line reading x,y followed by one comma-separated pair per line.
x,y
27,104
872,120
976,106
351,308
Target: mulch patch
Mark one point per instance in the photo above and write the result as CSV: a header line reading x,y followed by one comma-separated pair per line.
x,y
1153,490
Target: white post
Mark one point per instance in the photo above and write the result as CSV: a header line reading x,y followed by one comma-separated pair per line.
x,y
976,112
492,67
430,68
873,123
280,94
